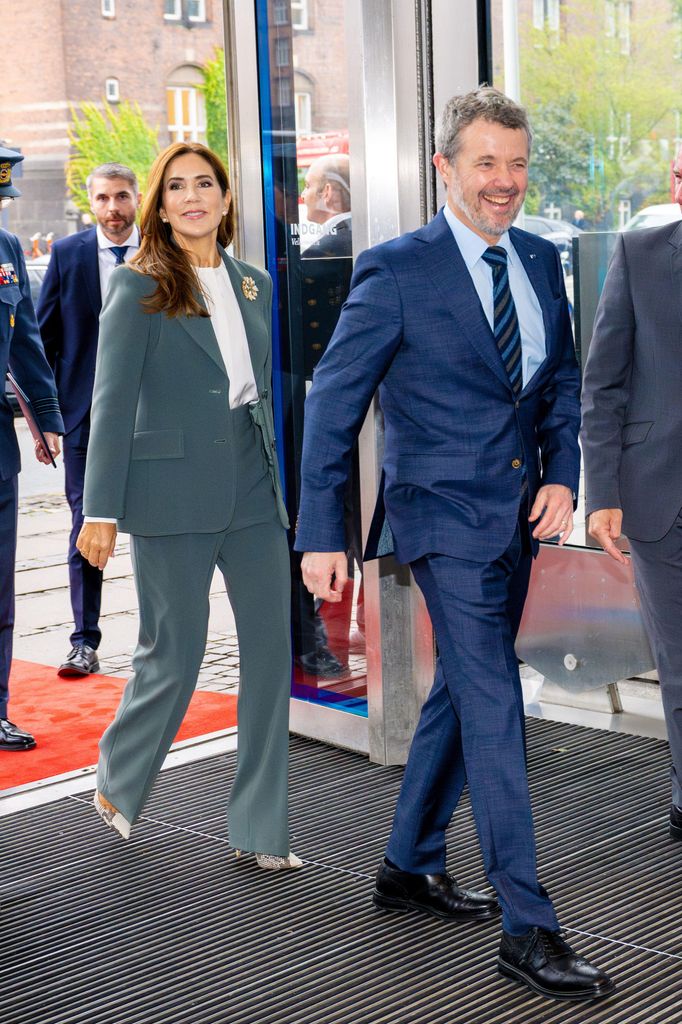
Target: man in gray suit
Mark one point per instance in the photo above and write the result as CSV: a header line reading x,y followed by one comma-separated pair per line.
x,y
632,444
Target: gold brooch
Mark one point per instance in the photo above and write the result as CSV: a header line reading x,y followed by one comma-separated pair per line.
x,y
250,288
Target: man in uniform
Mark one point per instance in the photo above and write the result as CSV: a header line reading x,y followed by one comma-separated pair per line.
x,y
21,352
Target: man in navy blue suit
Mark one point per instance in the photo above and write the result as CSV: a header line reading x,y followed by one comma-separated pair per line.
x,y
22,353
464,327
68,313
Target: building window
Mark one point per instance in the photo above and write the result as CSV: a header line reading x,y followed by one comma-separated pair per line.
x,y
546,14
281,52
299,15
172,10
111,90
186,114
304,113
108,8
281,12
284,92
617,23
196,10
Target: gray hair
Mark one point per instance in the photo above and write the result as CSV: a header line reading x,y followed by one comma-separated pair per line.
x,y
112,171
484,104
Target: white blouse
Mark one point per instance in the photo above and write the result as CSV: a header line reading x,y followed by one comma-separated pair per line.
x,y
228,325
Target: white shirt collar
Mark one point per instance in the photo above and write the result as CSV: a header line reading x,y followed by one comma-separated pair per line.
x,y
104,243
330,225
471,245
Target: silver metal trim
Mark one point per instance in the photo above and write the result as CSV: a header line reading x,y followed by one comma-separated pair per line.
x,y
243,125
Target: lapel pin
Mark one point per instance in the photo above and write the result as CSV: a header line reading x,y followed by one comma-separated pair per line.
x,y
249,288
531,255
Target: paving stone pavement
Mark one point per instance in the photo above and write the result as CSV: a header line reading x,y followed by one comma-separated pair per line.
x,y
43,619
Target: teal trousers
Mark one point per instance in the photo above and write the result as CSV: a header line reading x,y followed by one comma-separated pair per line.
x,y
173,575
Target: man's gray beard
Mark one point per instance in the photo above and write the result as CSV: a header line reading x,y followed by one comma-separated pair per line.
x,y
477,219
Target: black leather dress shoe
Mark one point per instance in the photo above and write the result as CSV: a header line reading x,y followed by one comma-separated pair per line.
x,y
675,822
322,663
14,738
545,962
438,895
81,661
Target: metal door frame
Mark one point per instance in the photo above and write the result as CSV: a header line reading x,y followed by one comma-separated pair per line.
x,y
405,59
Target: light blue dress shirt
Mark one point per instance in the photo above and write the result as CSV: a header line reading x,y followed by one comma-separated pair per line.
x,y
531,323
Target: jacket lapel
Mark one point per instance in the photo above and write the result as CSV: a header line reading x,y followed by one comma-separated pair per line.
x,y
675,240
256,336
89,263
201,331
448,271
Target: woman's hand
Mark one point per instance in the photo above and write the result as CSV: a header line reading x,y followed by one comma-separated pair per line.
x,y
96,542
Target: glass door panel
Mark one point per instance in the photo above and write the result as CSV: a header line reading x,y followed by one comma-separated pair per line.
x,y
304,132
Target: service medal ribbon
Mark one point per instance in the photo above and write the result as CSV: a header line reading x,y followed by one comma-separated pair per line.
x,y
249,288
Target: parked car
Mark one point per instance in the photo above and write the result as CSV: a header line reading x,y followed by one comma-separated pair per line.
x,y
36,274
653,216
563,241
547,226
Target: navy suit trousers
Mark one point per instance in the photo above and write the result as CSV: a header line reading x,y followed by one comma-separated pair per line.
x,y
472,730
85,581
8,547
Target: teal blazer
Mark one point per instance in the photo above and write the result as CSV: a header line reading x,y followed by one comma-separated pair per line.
x,y
160,453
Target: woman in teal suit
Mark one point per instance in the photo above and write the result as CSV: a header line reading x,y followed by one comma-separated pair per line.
x,y
181,457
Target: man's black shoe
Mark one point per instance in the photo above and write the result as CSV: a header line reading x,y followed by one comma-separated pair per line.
x,y
438,895
675,822
14,738
322,663
545,962
81,661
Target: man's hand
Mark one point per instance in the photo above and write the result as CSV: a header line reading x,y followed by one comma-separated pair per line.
x,y
553,508
325,573
605,526
52,444
96,542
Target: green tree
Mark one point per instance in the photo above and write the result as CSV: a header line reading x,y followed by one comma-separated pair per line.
x,y
108,135
560,163
621,104
215,95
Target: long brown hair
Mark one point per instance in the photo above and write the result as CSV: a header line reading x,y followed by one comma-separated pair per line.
x,y
159,255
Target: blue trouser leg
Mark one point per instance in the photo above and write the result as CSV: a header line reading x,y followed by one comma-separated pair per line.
x,y
85,581
8,547
472,728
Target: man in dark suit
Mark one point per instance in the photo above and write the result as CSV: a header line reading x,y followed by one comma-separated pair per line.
x,y
464,326
326,268
68,313
22,353
632,439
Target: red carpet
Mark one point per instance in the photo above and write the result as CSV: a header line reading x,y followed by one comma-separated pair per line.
x,y
68,716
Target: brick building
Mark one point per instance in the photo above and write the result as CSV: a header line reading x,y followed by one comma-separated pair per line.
x,y
60,53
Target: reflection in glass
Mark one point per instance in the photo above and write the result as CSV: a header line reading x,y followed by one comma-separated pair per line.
x,y
309,243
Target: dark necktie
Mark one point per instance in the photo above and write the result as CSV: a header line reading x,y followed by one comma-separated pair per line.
x,y
505,321
119,252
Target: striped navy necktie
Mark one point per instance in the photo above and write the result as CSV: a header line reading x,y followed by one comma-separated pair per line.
x,y
505,321
119,252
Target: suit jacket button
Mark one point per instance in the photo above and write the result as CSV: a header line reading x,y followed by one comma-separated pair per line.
x,y
516,463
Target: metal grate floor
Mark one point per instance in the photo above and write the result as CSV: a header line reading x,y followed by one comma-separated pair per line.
x,y
170,929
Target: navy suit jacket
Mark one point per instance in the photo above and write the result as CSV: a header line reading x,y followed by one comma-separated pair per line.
x,y
68,314
22,352
456,439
